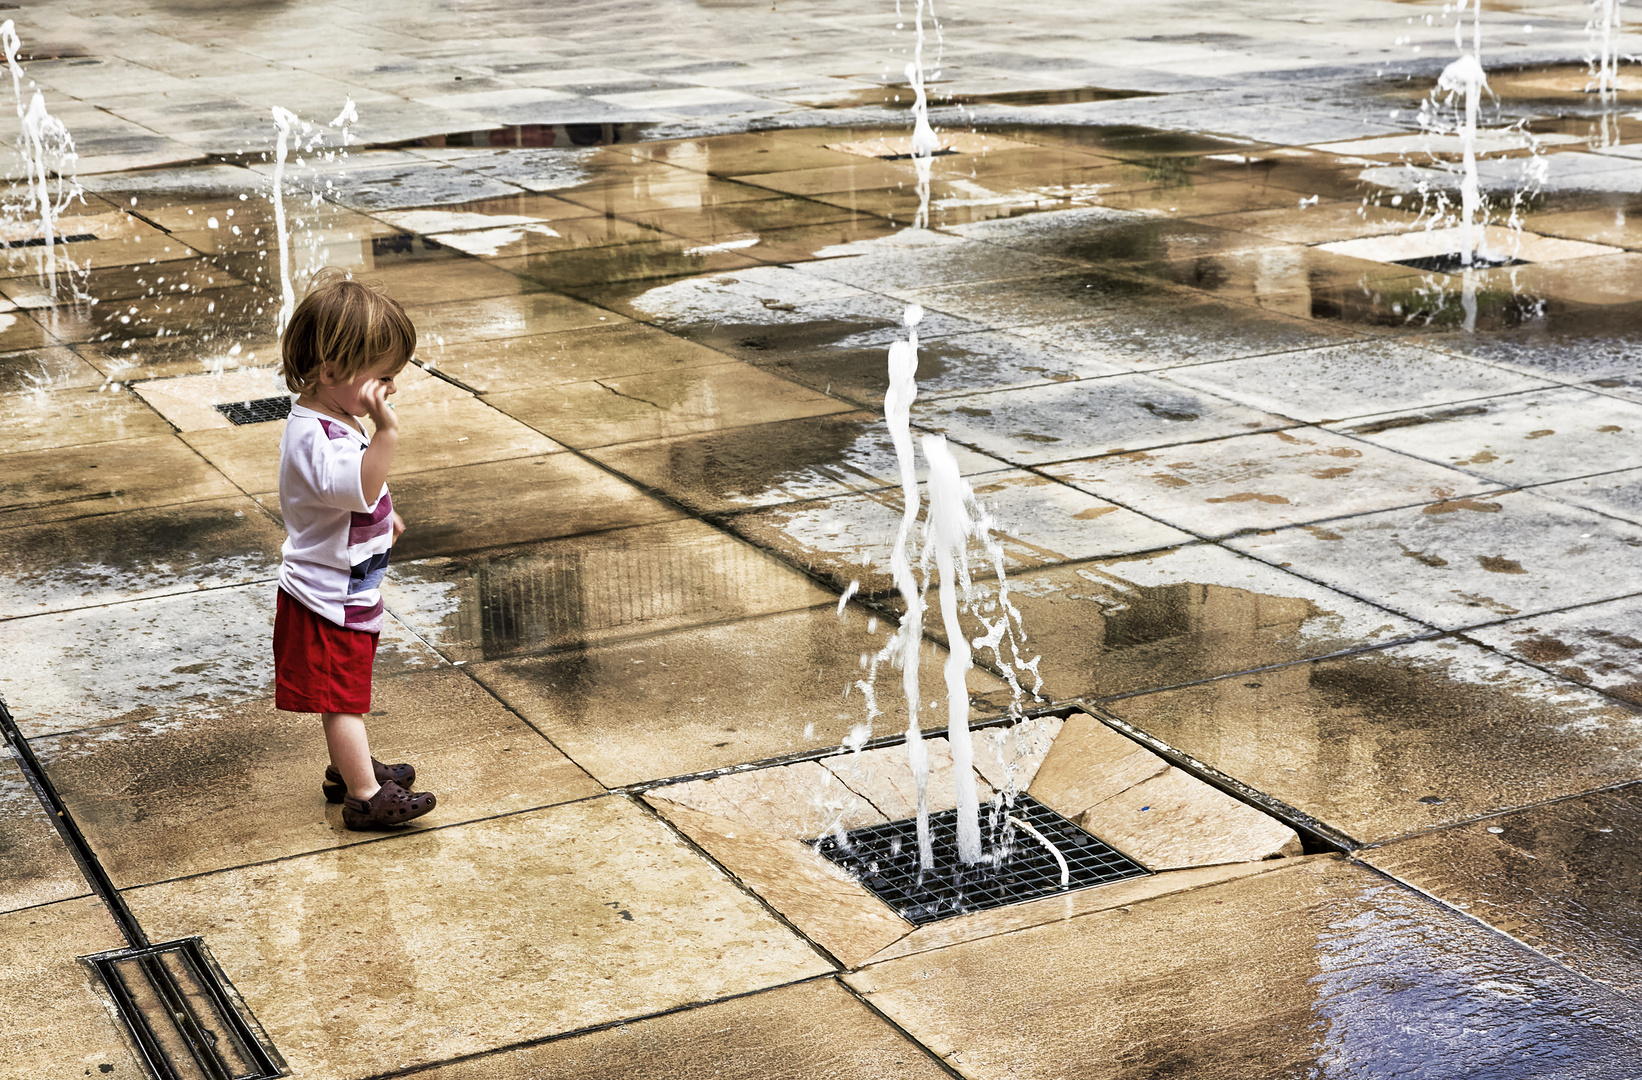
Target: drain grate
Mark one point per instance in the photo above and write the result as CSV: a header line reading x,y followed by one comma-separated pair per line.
x,y
885,859
40,241
1451,264
259,411
184,1015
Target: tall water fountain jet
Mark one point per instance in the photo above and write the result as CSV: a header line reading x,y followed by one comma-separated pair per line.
x,y
1466,75
289,132
1604,28
950,530
924,142
955,520
904,645
46,148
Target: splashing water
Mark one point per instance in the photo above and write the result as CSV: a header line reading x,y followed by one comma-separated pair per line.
x,y
950,529
955,519
290,132
284,120
46,148
1603,28
924,142
903,647
1466,75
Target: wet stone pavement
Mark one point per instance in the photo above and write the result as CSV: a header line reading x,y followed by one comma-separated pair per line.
x,y
1328,561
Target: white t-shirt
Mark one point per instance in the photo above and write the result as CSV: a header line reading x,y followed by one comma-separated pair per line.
x,y
337,548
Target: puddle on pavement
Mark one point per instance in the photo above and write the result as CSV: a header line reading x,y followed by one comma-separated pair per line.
x,y
1387,743
899,98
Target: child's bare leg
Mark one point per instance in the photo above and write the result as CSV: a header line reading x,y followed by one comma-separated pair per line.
x,y
351,752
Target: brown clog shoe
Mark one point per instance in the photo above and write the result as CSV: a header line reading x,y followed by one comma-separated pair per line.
x,y
401,774
391,805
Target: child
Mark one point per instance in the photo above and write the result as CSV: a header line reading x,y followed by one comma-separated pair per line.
x,y
342,349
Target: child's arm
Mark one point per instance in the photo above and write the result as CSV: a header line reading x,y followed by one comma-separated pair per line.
x,y
373,465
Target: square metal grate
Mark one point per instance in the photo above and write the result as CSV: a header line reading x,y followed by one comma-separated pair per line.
x,y
186,1018
1015,865
259,411
1452,264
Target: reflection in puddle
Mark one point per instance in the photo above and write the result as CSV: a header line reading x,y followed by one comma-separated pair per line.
x,y
575,593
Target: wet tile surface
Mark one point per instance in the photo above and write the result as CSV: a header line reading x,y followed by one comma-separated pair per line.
x,y
815,1029
1323,939
109,557
35,865
148,658
772,463
1464,560
1191,613
150,794
1521,439
491,504
68,482
692,700
1327,385
1596,645
1224,486
1036,425
1037,523
579,591
1552,876
76,1035
1403,739
634,924
636,408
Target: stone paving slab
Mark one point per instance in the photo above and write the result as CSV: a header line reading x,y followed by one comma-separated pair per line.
x,y
647,406
104,558
133,661
1223,487
590,589
812,1029
438,434
1551,876
500,503
1322,938
1403,739
453,941
1037,523
1463,561
1119,626
1596,645
714,696
39,966
1325,386
173,797
1530,438
769,464
35,865
1038,425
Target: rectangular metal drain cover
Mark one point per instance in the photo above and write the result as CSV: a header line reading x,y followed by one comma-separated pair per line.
x,y
259,411
885,859
186,1018
1452,264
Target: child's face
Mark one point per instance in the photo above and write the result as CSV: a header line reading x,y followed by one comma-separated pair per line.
x,y
348,396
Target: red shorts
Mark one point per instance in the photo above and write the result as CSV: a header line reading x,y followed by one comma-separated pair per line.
x,y
319,667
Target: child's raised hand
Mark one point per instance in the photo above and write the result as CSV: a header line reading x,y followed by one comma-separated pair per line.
x,y
374,396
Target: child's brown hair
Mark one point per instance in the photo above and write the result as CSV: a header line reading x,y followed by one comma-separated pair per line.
x,y
347,324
